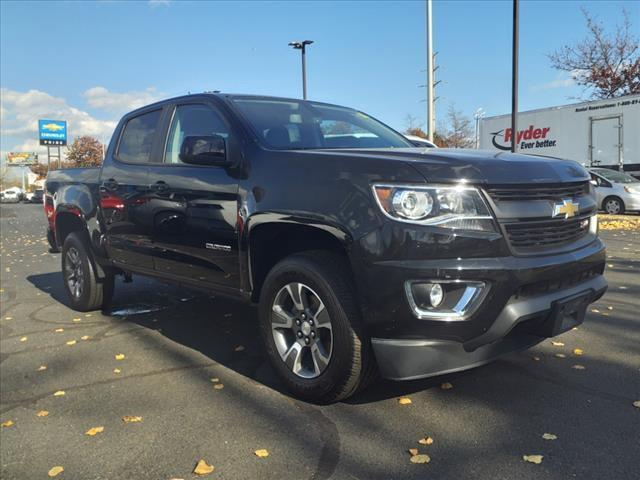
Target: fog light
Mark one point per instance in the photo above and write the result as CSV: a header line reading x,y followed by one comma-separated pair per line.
x,y
445,300
436,294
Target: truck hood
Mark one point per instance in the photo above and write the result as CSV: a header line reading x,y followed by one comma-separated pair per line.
x,y
478,166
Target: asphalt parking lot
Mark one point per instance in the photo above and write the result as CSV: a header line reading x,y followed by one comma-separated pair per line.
x,y
154,354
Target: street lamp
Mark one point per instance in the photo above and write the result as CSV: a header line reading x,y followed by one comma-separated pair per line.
x,y
480,113
301,46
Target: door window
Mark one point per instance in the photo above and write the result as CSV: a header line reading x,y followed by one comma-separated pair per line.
x,y
192,120
137,138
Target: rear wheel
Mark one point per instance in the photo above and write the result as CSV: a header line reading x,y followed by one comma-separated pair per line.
x,y
86,289
613,205
311,327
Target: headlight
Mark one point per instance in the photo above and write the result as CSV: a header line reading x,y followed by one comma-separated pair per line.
x,y
454,207
633,190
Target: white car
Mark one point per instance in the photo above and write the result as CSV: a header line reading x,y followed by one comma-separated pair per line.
x,y
10,196
616,192
420,142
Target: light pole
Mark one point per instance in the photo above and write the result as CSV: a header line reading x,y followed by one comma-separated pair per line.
x,y
478,116
302,47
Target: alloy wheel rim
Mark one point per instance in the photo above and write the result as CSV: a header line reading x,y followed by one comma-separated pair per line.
x,y
302,330
74,272
613,207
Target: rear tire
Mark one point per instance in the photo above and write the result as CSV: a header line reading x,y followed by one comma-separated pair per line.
x,y
613,206
86,289
336,360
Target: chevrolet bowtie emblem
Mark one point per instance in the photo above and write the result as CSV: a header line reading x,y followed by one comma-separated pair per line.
x,y
568,208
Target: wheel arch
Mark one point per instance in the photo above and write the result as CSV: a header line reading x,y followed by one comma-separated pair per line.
x,y
270,242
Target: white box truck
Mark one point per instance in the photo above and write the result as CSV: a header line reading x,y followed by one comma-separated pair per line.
x,y
601,133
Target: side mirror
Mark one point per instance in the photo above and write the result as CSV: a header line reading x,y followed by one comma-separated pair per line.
x,y
204,150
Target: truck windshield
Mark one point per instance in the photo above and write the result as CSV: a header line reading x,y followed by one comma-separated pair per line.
x,y
616,177
295,125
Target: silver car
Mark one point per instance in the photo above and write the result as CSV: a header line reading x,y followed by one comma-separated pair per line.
x,y
616,192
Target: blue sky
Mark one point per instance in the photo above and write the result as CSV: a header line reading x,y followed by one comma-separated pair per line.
x,y
89,62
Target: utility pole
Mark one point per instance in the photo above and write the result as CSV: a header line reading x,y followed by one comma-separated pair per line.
x,y
429,72
514,78
302,47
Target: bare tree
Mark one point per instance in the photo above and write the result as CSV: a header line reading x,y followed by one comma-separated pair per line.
x,y
459,132
605,64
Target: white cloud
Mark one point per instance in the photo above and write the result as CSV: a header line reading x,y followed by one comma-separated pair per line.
x,y
120,102
562,80
20,113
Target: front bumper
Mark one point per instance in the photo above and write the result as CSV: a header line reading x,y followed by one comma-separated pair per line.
x,y
407,359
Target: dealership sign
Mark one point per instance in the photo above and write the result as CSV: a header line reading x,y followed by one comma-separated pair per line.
x,y
20,159
52,132
532,137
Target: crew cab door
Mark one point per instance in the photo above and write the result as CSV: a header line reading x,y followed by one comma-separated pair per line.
x,y
124,190
195,207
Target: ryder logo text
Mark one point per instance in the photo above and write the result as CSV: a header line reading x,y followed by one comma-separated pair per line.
x,y
531,137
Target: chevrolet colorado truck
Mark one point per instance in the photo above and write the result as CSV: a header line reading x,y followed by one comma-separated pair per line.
x,y
364,254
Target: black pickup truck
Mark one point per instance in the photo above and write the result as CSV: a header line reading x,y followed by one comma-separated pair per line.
x,y
363,253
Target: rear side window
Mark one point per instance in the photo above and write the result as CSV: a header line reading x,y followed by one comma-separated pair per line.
x,y
137,138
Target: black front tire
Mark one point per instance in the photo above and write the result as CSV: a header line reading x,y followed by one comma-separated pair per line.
x,y
613,206
351,365
88,286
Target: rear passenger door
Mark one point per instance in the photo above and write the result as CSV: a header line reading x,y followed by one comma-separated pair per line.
x,y
124,190
195,207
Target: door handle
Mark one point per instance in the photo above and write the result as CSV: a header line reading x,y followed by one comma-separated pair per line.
x,y
159,187
109,185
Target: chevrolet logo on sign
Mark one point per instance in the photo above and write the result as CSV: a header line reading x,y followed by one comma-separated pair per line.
x,y
568,208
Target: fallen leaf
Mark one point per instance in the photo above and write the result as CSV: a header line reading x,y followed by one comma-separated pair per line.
x,y
92,432
116,370
41,368
261,453
23,339
425,441
8,318
71,342
537,459
203,468
55,471
119,356
537,359
413,451
59,393
578,367
42,413
609,307
239,348
214,380
77,320
557,344
59,330
85,337
8,423
404,401
577,351
560,355
549,436
131,419
595,310
636,404
420,458
446,386
218,386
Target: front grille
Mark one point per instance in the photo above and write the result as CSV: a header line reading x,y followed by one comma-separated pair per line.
x,y
547,191
528,235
